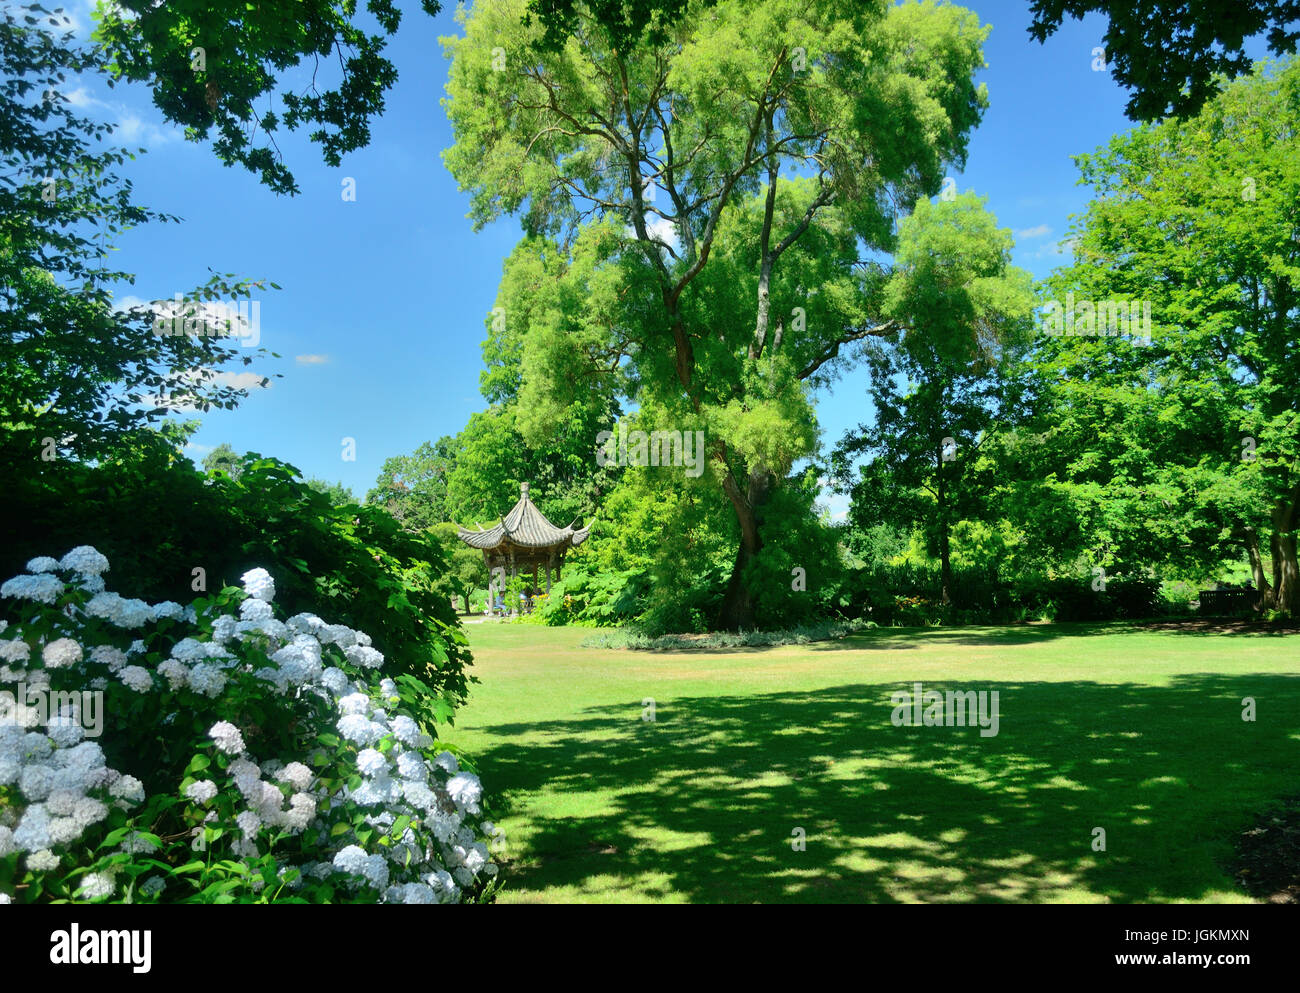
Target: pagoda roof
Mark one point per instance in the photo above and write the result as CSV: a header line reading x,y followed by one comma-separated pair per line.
x,y
525,526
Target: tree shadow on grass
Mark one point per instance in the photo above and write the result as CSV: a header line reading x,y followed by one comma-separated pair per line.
x,y
704,802
1034,634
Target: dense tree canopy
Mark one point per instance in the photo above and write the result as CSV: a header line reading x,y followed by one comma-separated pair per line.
x,y
714,198
1185,450
212,63
75,373
1169,52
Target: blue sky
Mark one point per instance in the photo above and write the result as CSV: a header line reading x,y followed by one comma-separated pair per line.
x,y
382,310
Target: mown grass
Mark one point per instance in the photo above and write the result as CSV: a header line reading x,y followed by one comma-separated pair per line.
x,y
1136,732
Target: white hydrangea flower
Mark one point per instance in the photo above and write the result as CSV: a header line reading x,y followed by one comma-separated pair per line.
x,y
42,563
96,885
334,680
61,653
466,791
66,731
254,611
406,730
36,781
338,634
18,650
354,861
208,680
249,823
119,611
201,791
447,763
85,560
223,629
107,655
227,737
175,672
302,809
371,762
365,657
296,775
355,703
153,885
42,588
127,788
358,729
380,790
259,584
43,860
419,795
135,677
411,766
92,584
168,609
306,623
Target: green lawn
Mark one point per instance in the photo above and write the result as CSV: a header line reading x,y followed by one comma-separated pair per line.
x,y
1136,732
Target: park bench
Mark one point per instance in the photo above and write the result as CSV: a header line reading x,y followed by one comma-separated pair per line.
x,y
1218,603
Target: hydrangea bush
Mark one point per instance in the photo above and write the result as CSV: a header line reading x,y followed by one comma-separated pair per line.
x,y
243,758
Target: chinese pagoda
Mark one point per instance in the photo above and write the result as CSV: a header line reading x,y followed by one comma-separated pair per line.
x,y
524,538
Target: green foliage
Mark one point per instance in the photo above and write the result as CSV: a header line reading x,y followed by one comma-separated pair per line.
x,y
413,488
1169,52
720,640
75,374
158,520
655,180
1187,450
265,683
338,494
466,571
213,65
939,390
595,598
225,459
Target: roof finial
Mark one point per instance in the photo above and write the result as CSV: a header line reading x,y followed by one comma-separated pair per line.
x,y
523,491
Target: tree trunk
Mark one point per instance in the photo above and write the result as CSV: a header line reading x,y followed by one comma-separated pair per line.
x,y
739,610
945,551
1285,594
945,564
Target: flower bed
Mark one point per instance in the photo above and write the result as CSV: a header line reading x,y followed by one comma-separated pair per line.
x,y
214,753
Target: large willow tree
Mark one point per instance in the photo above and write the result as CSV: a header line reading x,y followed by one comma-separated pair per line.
x,y
718,201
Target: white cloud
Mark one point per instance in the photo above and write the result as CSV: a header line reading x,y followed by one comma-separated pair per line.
x,y
194,446
129,126
81,99
129,301
1034,232
663,229
1060,248
311,359
135,130
240,380
235,380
